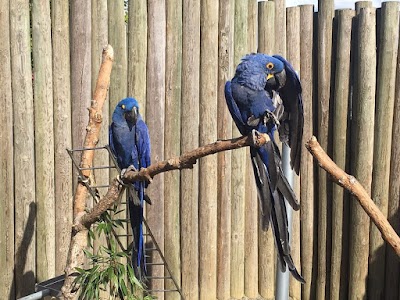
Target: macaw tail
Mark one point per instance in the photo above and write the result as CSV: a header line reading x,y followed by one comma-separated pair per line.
x,y
273,188
135,202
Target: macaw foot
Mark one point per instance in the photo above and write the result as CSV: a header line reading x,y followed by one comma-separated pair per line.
x,y
270,116
130,168
259,138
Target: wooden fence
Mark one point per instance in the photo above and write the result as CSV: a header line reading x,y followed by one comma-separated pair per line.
x,y
175,56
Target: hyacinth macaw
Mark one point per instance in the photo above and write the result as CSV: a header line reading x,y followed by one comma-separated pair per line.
x,y
265,95
130,143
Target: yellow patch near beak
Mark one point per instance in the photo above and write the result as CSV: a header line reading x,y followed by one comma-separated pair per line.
x,y
269,76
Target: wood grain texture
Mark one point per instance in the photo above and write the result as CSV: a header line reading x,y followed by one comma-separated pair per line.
x,y
224,127
293,56
363,125
155,116
386,79
251,204
172,130
190,140
280,27
44,139
24,155
137,51
208,165
325,22
238,168
7,287
340,115
266,247
307,206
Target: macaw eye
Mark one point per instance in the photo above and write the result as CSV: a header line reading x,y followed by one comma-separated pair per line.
x,y
270,66
123,106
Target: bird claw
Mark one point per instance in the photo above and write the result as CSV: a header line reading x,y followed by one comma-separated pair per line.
x,y
130,168
270,116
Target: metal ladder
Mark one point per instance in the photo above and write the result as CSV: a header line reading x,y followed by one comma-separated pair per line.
x,y
149,238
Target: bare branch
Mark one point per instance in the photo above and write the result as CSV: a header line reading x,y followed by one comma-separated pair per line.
x,y
351,184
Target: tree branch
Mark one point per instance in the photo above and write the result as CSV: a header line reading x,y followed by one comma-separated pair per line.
x,y
79,238
351,184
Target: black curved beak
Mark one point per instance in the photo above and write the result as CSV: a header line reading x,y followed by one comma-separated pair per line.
x,y
277,81
132,116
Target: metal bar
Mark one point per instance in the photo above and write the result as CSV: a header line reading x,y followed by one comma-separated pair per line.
x,y
158,277
98,168
37,295
84,149
162,291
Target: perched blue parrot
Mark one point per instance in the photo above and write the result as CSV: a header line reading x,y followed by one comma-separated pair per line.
x,y
130,143
265,95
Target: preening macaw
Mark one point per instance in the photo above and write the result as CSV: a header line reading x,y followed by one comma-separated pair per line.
x,y
130,143
265,94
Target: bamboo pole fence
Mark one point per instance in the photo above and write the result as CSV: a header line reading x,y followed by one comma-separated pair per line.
x,y
174,57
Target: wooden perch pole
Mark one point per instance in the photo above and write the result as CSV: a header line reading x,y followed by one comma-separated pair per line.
x,y
351,184
79,238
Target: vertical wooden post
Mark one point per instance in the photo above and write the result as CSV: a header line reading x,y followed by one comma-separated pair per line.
x,y
225,63
251,201
325,20
190,140
208,165
280,27
62,130
24,155
44,139
392,273
155,116
386,79
238,168
293,56
137,51
80,68
364,115
308,228
362,4
266,244
340,207
6,158
172,148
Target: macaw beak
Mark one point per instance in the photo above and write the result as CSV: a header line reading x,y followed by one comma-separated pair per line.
x,y
132,116
280,79
269,76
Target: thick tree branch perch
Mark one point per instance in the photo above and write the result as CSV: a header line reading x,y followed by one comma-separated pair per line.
x,y
351,184
79,238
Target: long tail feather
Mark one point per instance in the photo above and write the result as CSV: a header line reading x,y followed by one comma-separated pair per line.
x,y
272,191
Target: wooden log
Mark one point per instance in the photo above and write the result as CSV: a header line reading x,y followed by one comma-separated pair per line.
x,y
6,159
172,131
280,27
81,80
325,20
208,165
266,246
362,4
24,156
340,207
392,273
386,79
137,51
251,201
62,130
225,63
363,124
155,116
266,17
238,166
293,56
308,228
44,139
190,140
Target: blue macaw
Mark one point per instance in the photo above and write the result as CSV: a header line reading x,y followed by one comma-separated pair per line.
x,y
130,143
265,94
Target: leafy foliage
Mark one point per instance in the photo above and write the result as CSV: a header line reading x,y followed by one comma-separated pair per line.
x,y
106,269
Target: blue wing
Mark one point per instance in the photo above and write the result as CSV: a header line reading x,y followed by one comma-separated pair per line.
x,y
293,103
234,109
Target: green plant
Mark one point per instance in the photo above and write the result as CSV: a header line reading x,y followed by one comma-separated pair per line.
x,y
107,270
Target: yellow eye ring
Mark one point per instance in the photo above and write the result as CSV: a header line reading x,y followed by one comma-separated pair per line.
x,y
123,106
270,66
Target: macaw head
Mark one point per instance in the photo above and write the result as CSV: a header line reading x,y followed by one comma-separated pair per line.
x,y
129,108
262,70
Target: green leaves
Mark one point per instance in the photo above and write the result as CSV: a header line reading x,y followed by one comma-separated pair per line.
x,y
109,270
